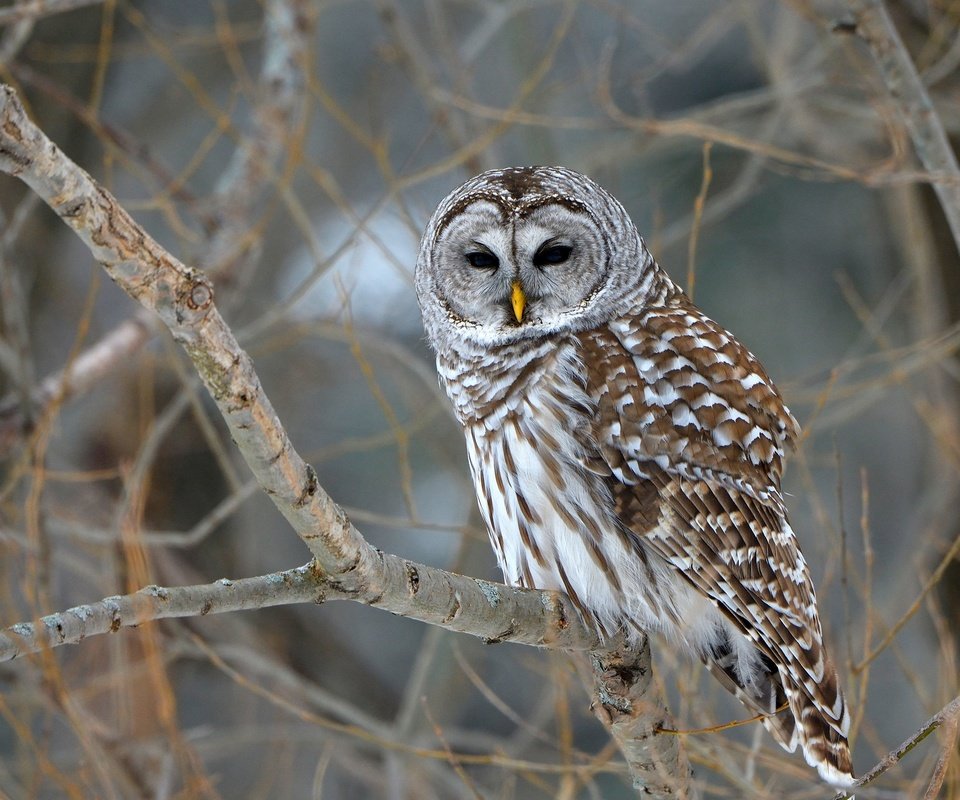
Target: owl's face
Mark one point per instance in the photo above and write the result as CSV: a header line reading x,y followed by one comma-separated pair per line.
x,y
509,269
522,253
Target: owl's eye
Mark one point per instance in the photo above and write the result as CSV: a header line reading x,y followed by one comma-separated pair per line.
x,y
555,254
483,260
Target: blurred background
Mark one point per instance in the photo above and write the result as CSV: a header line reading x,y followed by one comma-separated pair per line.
x,y
294,150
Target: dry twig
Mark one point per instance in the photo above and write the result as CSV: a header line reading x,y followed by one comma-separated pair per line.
x,y
35,9
948,716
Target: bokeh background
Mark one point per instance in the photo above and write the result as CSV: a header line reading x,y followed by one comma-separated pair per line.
x,y
294,149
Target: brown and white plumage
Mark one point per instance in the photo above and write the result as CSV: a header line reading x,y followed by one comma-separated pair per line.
x,y
625,448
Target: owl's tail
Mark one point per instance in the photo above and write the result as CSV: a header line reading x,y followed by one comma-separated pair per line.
x,y
791,716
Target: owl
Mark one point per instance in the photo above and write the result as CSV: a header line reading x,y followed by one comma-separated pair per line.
x,y
625,449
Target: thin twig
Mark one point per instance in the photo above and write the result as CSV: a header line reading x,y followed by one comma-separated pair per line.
x,y
943,760
35,9
947,715
698,205
929,584
15,328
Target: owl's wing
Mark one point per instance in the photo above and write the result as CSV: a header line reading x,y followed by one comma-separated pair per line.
x,y
693,433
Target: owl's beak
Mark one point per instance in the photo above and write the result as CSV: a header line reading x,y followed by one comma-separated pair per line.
x,y
518,300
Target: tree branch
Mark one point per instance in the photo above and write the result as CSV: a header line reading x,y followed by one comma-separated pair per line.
x,y
279,108
946,715
79,376
456,602
34,9
625,700
345,565
874,26
183,298
300,585
627,703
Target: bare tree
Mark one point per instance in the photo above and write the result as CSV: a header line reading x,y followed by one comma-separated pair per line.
x,y
113,446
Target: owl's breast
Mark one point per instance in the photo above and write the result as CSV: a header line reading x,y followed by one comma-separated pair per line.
x,y
549,514
544,494
488,387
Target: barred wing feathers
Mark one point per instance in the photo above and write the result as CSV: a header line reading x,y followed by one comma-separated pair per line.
x,y
684,409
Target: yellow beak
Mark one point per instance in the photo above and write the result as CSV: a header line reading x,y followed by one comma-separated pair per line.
x,y
519,301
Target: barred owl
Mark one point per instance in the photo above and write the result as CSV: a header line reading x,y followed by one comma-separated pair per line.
x,y
625,448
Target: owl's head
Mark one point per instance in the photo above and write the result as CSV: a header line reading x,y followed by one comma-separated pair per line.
x,y
527,252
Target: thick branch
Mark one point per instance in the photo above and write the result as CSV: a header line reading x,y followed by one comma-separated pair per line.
x,y
183,298
625,700
627,703
874,26
456,602
279,110
348,566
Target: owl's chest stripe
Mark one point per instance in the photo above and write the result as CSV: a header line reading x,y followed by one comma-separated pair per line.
x,y
543,495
